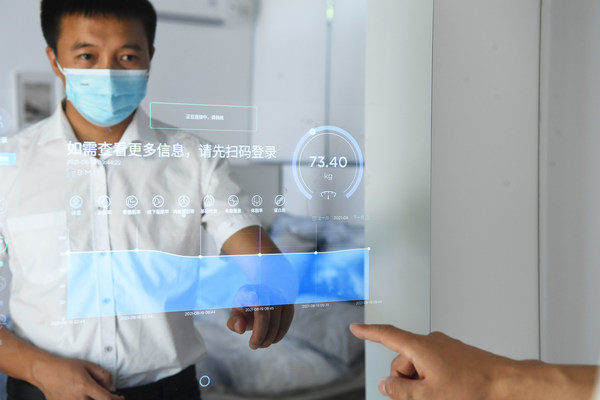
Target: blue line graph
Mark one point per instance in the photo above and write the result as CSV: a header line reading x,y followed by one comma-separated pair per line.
x,y
140,282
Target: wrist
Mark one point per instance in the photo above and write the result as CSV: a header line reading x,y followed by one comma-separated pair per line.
x,y
41,365
533,380
521,380
505,380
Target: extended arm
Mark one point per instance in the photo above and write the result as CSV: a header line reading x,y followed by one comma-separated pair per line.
x,y
436,366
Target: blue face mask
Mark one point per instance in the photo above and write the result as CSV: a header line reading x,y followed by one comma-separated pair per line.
x,y
105,97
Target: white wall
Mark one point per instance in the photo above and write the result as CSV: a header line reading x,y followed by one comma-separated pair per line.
x,y
484,261
22,49
397,173
570,181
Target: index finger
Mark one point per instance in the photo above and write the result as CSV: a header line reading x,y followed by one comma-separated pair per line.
x,y
260,328
388,335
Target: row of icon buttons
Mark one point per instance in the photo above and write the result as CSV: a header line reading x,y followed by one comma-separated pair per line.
x,y
158,201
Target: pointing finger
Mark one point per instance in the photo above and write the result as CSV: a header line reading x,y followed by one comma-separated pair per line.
x,y
388,335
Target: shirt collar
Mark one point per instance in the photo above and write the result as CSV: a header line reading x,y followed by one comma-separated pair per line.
x,y
139,129
59,127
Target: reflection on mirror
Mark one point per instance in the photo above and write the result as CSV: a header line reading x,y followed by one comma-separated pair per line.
x,y
182,199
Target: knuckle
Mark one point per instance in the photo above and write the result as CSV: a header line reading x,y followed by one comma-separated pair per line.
x,y
437,334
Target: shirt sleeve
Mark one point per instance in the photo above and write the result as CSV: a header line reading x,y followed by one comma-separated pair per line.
x,y
230,218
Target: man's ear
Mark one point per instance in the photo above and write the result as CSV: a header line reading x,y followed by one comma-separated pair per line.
x,y
152,52
53,63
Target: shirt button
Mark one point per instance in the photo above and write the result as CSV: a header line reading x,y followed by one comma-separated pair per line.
x,y
108,349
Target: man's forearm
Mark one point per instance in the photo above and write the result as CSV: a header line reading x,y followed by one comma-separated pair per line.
x,y
533,380
19,358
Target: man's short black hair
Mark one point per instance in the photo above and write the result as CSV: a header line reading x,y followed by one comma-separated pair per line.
x,y
52,12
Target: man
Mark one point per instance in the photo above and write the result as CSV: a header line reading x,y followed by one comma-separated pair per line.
x,y
436,367
71,192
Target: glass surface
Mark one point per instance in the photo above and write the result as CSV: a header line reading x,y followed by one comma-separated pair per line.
x,y
298,106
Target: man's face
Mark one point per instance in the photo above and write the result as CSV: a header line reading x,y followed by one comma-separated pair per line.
x,y
101,42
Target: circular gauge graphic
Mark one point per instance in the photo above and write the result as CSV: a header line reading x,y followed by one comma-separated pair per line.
x,y
327,163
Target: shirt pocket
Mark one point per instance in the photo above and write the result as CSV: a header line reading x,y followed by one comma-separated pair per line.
x,y
38,247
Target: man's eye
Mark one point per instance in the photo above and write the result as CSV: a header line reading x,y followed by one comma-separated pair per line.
x,y
85,57
128,57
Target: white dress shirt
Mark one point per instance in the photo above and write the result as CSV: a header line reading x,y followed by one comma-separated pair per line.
x,y
148,194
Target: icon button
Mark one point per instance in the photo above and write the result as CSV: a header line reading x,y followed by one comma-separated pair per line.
x,y
183,201
257,201
280,200
76,202
209,201
131,201
204,381
233,200
104,202
158,201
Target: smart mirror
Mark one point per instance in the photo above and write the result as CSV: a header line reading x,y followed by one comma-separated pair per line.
x,y
318,113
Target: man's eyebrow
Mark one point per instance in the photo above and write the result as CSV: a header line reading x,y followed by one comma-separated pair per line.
x,y
132,46
81,45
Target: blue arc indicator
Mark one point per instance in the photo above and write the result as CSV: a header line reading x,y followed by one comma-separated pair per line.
x,y
327,162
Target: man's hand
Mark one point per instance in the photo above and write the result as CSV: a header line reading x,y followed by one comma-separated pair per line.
x,y
70,379
268,327
436,367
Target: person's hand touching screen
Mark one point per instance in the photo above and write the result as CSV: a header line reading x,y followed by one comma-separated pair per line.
x,y
435,367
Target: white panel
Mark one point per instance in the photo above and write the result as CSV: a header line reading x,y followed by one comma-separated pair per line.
x,y
397,172
289,71
570,177
484,264
203,64
21,17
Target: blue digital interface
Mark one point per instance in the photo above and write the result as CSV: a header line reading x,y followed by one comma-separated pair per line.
x,y
141,282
